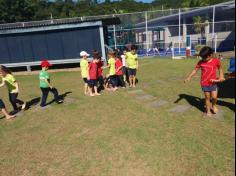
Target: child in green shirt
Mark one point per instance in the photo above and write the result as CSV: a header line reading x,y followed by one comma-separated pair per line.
x,y
46,86
84,66
13,88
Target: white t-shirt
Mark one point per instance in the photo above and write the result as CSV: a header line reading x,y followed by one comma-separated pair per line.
x,y
123,60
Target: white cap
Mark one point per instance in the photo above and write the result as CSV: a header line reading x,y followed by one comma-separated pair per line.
x,y
84,53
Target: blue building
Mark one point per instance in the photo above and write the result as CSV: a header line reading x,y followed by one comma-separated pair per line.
x,y
60,41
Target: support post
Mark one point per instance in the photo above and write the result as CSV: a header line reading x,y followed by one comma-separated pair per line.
x,y
179,31
146,19
28,67
114,33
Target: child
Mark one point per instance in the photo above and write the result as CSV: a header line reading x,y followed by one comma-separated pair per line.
x,y
119,73
84,70
112,70
93,76
124,69
4,111
100,65
46,86
132,65
209,66
13,88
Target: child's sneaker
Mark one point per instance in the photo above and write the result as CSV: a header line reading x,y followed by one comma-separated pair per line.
x,y
23,107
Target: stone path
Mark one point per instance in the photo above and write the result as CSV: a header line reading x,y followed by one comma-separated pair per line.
x,y
69,101
145,97
180,109
157,104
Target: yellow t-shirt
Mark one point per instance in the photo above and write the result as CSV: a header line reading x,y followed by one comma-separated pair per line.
x,y
10,82
131,60
112,63
84,68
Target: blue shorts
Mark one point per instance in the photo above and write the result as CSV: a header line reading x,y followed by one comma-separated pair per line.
x,y
92,83
2,105
132,72
209,88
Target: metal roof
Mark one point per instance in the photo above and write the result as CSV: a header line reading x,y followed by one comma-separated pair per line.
x,y
226,6
55,22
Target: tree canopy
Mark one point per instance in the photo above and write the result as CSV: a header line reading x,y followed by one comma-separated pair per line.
x,y
28,10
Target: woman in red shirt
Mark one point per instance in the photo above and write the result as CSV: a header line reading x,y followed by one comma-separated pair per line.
x,y
209,66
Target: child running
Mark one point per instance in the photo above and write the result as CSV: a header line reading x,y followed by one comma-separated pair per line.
x,y
46,86
92,79
13,88
132,65
4,111
209,66
84,70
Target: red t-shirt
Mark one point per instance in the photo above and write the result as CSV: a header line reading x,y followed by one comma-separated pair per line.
x,y
100,65
119,64
93,70
209,71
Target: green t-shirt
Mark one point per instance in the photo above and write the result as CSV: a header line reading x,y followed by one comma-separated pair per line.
x,y
112,63
10,82
44,75
84,68
131,60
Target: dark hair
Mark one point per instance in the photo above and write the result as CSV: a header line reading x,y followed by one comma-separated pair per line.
x,y
133,47
5,69
96,54
206,52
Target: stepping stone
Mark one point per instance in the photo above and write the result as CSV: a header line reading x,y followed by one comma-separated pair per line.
x,y
39,108
158,104
69,101
160,82
145,98
219,115
139,91
145,85
180,109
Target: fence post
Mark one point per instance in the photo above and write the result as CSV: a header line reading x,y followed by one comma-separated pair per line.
x,y
213,20
114,33
146,19
179,31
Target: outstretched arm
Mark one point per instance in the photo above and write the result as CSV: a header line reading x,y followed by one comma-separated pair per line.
x,y
3,83
194,72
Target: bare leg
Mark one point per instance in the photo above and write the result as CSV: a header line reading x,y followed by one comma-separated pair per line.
x,y
6,114
208,103
130,81
86,91
91,92
214,96
96,91
134,80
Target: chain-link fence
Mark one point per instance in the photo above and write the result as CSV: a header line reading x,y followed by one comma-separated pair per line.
x,y
171,32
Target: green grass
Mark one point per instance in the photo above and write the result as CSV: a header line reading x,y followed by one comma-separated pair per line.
x,y
116,135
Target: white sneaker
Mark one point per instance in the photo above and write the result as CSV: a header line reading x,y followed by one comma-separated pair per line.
x,y
23,106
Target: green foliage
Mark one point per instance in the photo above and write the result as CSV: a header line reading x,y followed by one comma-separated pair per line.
x,y
27,10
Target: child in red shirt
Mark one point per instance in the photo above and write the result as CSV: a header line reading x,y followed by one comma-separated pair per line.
x,y
100,70
119,72
92,78
209,67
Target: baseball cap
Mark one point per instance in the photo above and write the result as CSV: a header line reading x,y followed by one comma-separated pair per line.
x,y
84,53
45,63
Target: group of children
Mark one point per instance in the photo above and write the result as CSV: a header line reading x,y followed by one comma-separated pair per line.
x,y
122,69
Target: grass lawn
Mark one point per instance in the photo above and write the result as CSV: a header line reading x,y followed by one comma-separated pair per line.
x,y
143,133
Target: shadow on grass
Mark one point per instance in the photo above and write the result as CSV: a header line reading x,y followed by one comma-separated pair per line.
x,y
200,103
62,97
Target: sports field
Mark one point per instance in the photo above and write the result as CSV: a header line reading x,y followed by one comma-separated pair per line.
x,y
132,132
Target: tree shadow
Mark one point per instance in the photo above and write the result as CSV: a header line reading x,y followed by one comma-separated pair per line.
x,y
62,96
200,103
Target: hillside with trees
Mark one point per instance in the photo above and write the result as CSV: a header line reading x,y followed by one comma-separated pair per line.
x,y
27,10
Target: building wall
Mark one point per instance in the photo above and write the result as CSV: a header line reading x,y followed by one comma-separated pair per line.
x,y
53,45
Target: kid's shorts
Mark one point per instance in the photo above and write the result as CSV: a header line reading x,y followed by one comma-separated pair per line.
x,y
132,72
2,105
92,83
209,88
